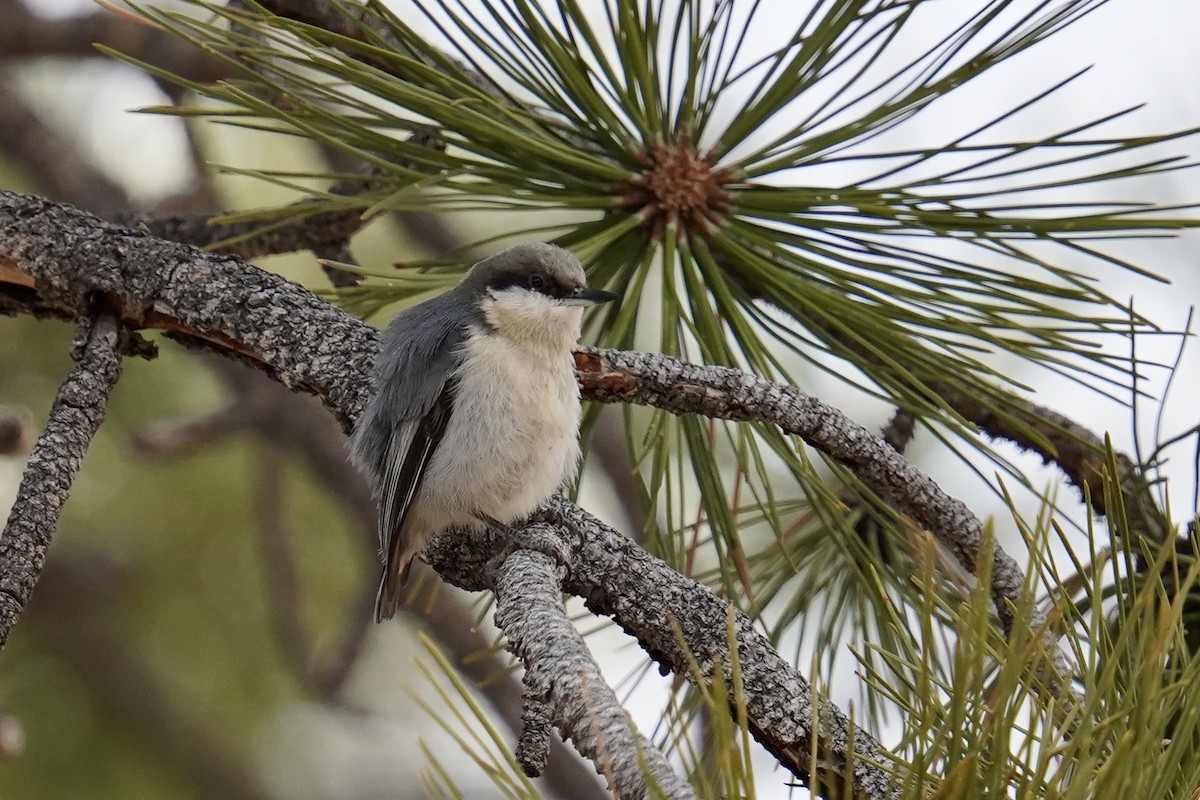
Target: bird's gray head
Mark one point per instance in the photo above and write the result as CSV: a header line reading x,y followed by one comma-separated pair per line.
x,y
533,293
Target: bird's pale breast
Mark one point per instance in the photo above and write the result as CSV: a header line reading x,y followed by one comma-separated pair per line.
x,y
513,437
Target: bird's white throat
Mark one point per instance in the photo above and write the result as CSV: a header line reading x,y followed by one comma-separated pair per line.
x,y
533,320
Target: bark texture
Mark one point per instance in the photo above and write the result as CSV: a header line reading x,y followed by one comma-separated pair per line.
x,y
54,462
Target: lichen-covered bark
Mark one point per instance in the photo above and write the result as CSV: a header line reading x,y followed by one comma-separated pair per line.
x,y
561,670
54,462
682,388
72,257
651,601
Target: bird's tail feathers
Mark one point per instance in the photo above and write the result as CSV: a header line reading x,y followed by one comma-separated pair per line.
x,y
391,585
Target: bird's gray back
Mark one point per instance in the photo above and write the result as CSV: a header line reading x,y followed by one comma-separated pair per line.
x,y
419,350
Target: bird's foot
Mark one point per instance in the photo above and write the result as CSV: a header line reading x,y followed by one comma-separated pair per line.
x,y
538,536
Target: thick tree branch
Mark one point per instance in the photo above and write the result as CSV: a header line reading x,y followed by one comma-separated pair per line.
x,y
457,632
611,573
663,382
679,621
249,312
584,708
54,462
67,256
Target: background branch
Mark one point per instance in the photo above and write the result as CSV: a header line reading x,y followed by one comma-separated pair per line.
x,y
144,700
59,168
16,431
26,35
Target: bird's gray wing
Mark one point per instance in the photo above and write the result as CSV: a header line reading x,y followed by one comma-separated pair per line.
x,y
400,429
410,449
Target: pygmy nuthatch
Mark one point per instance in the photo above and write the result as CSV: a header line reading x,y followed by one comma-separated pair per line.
x,y
475,417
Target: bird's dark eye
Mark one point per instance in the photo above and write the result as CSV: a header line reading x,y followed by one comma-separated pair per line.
x,y
537,282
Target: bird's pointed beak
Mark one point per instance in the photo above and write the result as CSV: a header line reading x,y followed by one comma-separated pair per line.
x,y
583,296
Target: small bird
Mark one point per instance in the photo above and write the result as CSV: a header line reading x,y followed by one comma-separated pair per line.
x,y
475,417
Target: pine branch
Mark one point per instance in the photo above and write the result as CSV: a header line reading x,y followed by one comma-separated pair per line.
x,y
681,623
614,376
55,258
563,674
54,462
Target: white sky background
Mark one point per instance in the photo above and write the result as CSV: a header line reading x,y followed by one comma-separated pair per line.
x,y
1144,51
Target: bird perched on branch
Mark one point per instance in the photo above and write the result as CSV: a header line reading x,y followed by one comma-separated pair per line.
x,y
475,417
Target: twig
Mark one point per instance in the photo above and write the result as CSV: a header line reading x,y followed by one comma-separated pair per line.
x,y
899,430
252,239
340,252
560,669
182,438
1077,451
326,233
54,462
